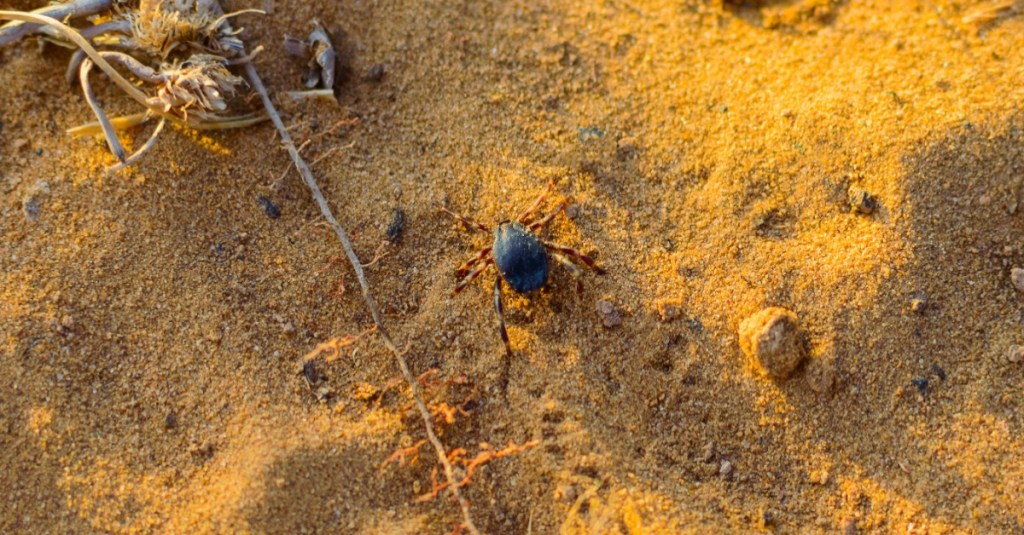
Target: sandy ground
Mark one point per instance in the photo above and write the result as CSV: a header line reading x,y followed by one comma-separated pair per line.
x,y
152,322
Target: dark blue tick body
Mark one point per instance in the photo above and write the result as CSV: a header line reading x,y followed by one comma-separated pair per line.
x,y
520,255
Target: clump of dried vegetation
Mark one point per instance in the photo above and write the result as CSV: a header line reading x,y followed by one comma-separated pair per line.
x,y
439,396
173,57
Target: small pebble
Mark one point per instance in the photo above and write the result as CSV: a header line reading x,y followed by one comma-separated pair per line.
x,y
725,469
921,384
324,393
939,372
271,209
772,338
397,225
820,375
610,315
30,207
1016,354
376,73
1017,278
862,202
707,452
668,309
171,420
310,372
572,211
626,149
918,304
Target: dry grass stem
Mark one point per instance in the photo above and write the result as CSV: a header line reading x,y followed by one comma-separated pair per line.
x,y
371,304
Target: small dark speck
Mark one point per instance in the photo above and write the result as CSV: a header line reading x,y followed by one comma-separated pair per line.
x,y
218,249
939,372
310,372
396,226
39,152
375,73
171,420
271,209
31,208
695,325
921,384
470,405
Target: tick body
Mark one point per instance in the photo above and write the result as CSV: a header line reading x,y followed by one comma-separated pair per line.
x,y
521,257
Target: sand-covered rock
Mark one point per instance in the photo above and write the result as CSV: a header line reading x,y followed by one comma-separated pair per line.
x,y
772,339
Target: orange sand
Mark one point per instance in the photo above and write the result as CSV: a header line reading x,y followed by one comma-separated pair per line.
x,y
710,150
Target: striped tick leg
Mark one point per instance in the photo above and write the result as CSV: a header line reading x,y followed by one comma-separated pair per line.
x,y
501,316
536,204
465,220
464,268
574,270
551,246
539,224
472,275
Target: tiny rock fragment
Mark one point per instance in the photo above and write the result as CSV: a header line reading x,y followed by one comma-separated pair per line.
x,y
311,373
324,393
772,338
269,208
171,420
668,309
625,149
707,453
375,73
1017,278
610,315
725,469
918,304
573,211
1015,355
862,202
396,226
820,375
30,207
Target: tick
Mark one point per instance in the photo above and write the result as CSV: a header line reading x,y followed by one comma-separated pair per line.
x,y
521,257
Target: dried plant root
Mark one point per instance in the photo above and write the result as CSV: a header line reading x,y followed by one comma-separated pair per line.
x,y
108,130
137,155
15,30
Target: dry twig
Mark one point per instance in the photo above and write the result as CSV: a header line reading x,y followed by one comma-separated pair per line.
x,y
371,304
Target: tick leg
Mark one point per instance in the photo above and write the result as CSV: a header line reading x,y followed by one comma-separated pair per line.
x,y
536,204
467,221
464,268
473,275
539,224
108,130
574,270
501,316
575,254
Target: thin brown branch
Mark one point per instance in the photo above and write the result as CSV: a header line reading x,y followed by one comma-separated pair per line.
x,y
357,266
